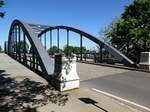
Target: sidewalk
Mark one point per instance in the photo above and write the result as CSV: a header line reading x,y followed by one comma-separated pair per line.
x,y
85,100
23,90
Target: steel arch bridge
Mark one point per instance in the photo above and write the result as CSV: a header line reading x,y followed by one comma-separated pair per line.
x,y
33,52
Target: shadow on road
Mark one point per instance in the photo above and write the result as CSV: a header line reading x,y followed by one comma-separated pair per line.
x,y
27,95
92,102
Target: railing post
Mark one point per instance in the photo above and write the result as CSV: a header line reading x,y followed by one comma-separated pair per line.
x,y
36,63
81,49
24,51
45,40
95,58
10,43
19,44
58,39
30,62
15,35
101,53
5,47
33,59
67,42
50,39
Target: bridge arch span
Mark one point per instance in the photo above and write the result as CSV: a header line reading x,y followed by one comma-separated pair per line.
x,y
99,42
39,57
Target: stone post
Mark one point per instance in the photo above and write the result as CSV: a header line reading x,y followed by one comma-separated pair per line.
x,y
145,60
65,74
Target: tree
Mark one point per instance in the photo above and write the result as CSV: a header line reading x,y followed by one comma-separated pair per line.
x,y
78,49
74,49
69,49
1,5
53,49
131,33
20,47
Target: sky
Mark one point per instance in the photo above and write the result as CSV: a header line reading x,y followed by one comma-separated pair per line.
x,y
88,15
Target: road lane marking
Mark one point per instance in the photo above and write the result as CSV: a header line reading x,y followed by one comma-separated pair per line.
x,y
116,97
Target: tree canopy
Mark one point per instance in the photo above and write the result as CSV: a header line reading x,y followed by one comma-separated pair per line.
x,y
74,49
53,49
69,49
1,5
20,47
131,32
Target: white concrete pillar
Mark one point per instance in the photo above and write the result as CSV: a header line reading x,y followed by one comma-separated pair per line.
x,y
65,73
145,60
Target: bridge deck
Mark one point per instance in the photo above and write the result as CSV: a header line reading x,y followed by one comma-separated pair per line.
x,y
89,71
92,76
127,84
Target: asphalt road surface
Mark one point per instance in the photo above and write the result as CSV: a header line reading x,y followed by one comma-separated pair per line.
x,y
130,85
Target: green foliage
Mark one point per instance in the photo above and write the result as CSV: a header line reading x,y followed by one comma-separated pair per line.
x,y
53,50
69,49
130,33
1,5
73,49
21,46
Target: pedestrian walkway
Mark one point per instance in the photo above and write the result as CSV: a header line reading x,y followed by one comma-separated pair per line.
x,y
23,90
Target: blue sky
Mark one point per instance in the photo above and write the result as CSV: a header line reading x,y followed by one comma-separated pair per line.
x,y
88,15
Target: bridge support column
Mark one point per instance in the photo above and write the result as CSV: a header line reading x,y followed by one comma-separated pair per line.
x,y
65,75
5,46
145,60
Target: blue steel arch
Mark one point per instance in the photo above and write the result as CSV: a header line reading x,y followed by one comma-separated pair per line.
x,y
40,52
121,57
